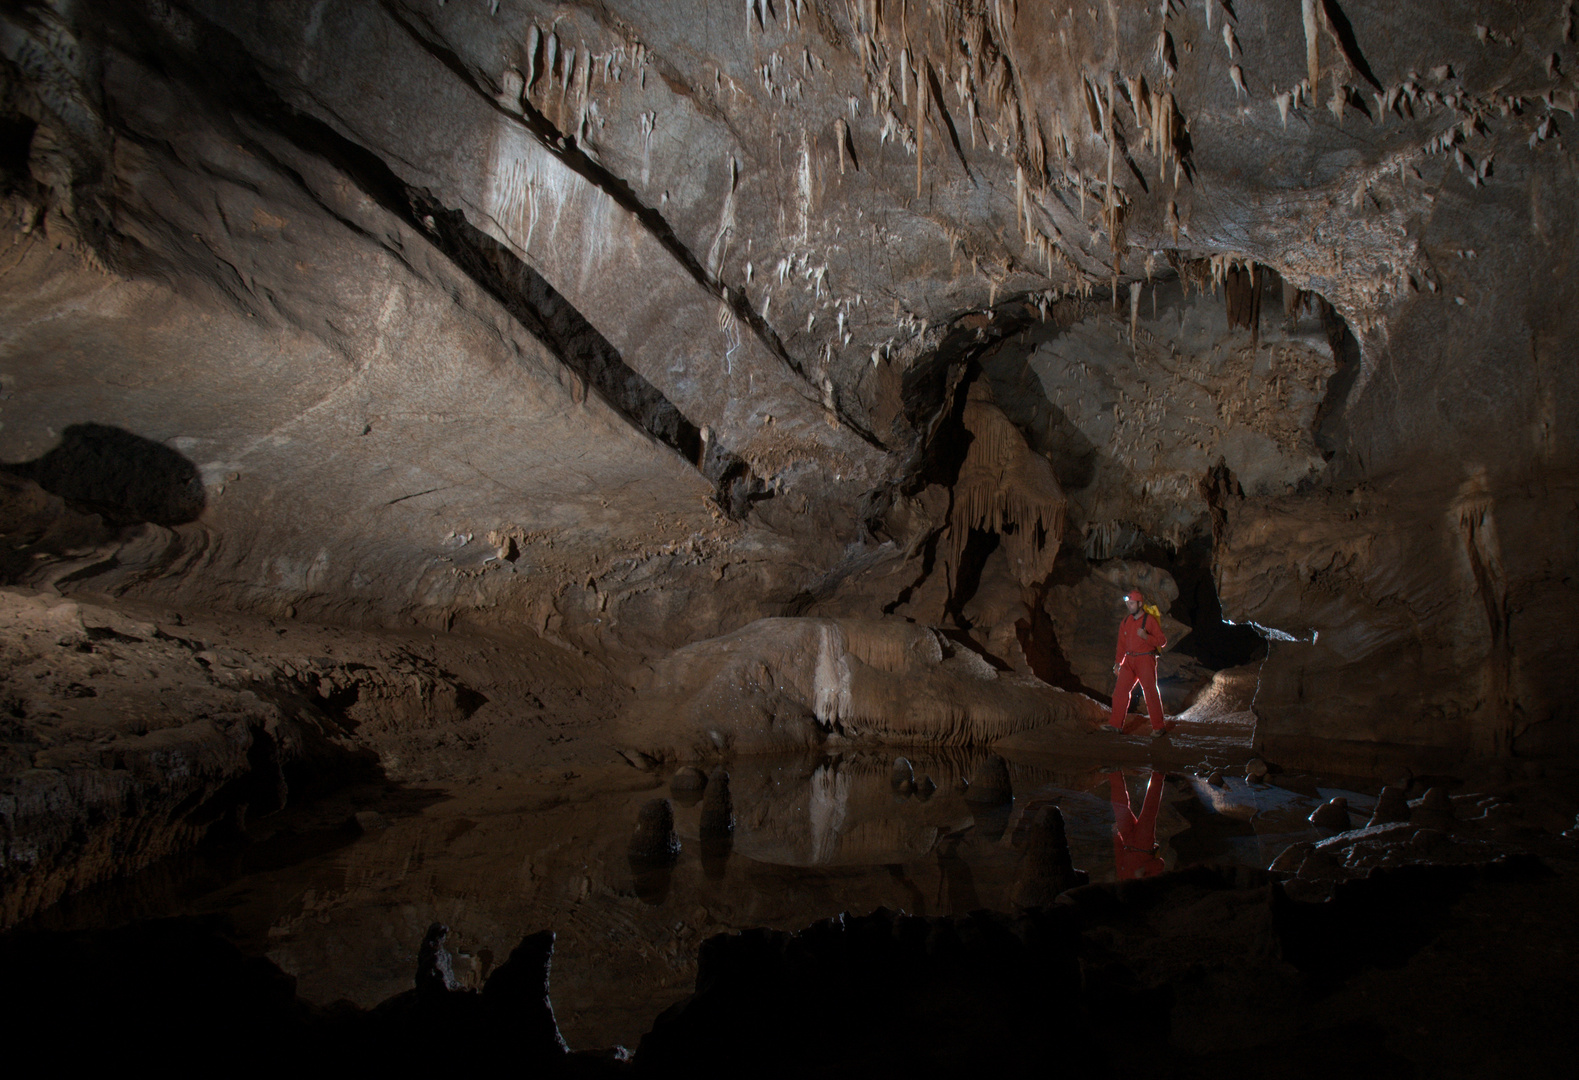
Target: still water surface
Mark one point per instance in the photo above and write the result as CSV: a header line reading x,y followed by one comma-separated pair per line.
x,y
813,837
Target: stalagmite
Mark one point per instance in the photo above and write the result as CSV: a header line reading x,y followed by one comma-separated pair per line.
x,y
1391,806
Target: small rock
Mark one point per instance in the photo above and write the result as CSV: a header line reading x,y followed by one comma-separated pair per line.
x,y
924,788
654,837
1392,806
1332,814
1216,779
1255,769
369,820
961,786
1434,810
902,774
991,785
687,779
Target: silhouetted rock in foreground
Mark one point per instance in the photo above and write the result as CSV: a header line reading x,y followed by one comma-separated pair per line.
x,y
1087,986
1045,869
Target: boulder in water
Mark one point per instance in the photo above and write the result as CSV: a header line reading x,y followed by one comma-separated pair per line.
x,y
1392,806
1434,810
687,779
991,786
654,838
1045,869
1332,814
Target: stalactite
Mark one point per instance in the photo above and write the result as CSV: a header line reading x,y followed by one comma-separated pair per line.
x,y
921,124
1312,41
1021,220
1107,135
533,38
1005,487
1134,314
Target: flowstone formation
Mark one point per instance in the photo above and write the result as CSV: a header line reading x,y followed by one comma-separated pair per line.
x,y
711,344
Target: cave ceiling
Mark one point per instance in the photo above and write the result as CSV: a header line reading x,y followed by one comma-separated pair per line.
x,y
632,323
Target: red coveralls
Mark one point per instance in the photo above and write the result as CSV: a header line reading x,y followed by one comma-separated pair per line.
x,y
1135,838
1137,660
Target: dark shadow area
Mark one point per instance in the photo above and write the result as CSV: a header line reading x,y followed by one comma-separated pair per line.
x,y
1039,643
1343,30
1020,394
123,477
939,99
557,324
1093,985
16,144
1217,644
979,546
932,393
1330,428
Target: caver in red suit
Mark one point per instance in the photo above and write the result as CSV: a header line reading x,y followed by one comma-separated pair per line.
x,y
1140,639
1135,838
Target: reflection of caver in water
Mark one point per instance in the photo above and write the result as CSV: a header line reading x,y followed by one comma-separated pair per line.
x,y
1135,838
1140,639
